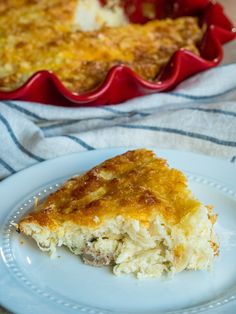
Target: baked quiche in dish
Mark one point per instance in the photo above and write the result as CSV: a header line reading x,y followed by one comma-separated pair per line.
x,y
81,40
132,212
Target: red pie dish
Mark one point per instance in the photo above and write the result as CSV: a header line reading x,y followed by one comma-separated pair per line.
x,y
121,82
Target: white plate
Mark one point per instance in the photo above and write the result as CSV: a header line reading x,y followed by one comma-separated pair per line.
x,y
30,282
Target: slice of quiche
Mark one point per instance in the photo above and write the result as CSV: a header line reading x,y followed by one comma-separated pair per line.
x,y
132,212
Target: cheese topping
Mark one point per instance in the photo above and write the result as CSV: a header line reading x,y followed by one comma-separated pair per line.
x,y
48,35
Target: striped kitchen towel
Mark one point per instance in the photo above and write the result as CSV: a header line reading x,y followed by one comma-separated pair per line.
x,y
198,116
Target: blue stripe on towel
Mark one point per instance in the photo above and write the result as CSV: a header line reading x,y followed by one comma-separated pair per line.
x,y
7,166
233,159
62,124
217,111
180,132
143,114
57,125
23,110
79,141
194,97
15,140
113,110
223,112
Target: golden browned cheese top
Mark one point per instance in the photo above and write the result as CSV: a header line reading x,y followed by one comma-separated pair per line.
x,y
135,185
41,35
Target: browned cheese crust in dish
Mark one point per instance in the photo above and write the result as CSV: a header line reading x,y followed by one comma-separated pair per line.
x,y
133,212
46,35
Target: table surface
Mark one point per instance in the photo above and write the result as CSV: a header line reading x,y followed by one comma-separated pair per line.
x,y
229,50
